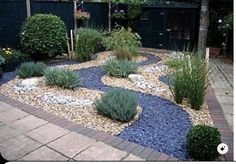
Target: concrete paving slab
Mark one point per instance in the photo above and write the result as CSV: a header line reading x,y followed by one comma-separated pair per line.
x,y
17,147
12,115
27,123
132,157
44,154
5,106
71,144
100,152
47,133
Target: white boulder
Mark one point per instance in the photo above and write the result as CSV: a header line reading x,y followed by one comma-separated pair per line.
x,y
135,78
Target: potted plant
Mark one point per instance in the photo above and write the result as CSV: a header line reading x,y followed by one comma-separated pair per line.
x,y
81,14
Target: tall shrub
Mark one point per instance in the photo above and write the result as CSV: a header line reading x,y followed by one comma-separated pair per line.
x,y
88,42
123,38
43,35
189,80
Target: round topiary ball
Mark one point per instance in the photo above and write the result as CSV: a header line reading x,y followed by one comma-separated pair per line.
x,y
202,142
43,36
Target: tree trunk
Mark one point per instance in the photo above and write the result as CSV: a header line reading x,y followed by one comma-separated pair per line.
x,y
203,28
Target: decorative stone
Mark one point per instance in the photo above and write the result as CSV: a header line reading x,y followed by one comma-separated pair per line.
x,y
156,68
30,82
135,78
65,100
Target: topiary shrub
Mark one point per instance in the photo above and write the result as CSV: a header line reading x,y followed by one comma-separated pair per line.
x,y
118,104
124,39
62,78
31,69
120,68
202,142
88,42
43,35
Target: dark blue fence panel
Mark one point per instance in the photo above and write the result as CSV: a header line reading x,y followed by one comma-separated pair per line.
x,y
63,9
12,15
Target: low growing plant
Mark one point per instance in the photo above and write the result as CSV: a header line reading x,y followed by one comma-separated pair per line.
x,y
120,68
88,42
202,142
123,53
62,78
118,104
31,69
13,55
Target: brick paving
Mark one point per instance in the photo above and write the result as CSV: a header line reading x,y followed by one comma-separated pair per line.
x,y
220,100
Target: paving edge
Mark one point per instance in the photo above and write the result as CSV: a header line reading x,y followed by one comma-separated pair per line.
x,y
220,122
116,142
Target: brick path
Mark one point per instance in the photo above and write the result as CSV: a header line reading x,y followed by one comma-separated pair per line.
x,y
30,134
220,100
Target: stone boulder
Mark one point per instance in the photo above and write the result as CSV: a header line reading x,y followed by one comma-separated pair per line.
x,y
135,78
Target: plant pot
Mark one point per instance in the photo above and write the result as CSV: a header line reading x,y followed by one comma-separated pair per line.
x,y
214,51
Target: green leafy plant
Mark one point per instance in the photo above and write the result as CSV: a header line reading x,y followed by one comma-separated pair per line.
x,y
189,79
62,78
43,35
123,53
120,68
13,55
202,142
88,42
31,69
197,88
123,38
118,104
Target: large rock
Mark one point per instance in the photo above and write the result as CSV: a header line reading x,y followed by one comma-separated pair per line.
x,y
30,82
135,78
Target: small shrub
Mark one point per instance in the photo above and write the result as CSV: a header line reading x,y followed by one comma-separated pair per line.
x,y
123,53
88,42
124,39
31,69
43,35
118,104
120,68
13,55
62,78
202,142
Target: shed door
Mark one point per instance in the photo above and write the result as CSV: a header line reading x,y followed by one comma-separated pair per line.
x,y
171,29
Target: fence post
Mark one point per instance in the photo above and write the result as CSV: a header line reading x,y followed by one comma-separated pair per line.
x,y
75,19
109,17
28,9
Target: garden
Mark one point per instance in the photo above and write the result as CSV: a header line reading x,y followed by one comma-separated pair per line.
x,y
150,97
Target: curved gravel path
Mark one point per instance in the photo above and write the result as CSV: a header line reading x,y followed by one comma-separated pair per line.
x,y
162,125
